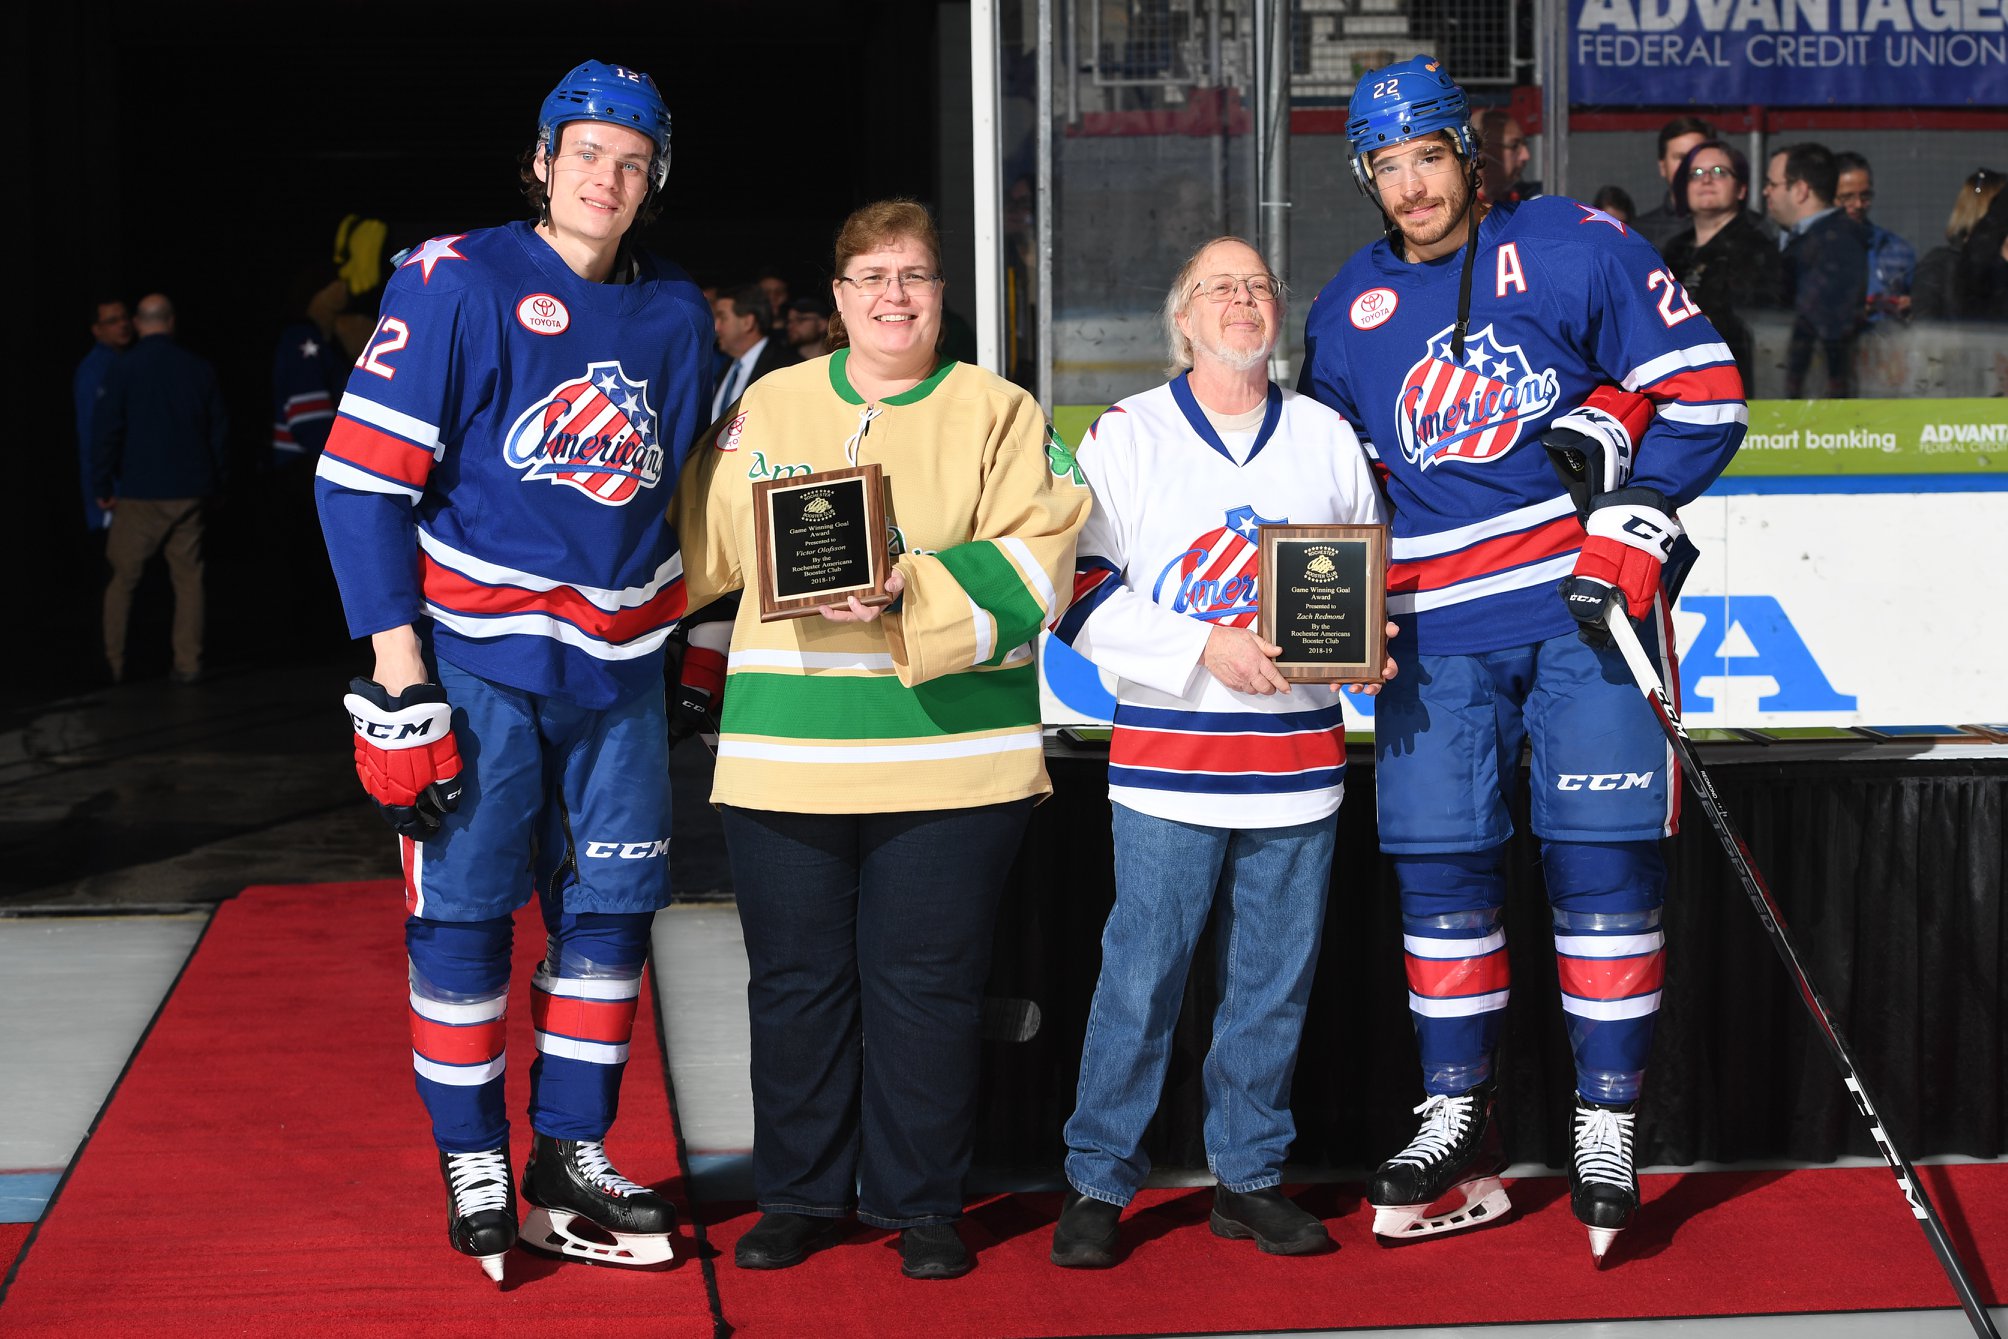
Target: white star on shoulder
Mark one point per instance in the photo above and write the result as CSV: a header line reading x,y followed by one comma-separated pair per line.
x,y
607,384
1591,214
629,404
310,349
434,251
1501,370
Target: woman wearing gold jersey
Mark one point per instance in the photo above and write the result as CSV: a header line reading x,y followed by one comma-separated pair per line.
x,y
875,768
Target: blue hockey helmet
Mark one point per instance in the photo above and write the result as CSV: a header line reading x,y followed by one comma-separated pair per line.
x,y
1401,102
614,94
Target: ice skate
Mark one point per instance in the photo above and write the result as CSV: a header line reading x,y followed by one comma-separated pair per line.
x,y
1447,1179
480,1206
1603,1182
571,1186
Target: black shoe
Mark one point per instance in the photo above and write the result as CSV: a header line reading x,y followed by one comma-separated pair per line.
x,y
933,1252
1277,1226
779,1240
1085,1236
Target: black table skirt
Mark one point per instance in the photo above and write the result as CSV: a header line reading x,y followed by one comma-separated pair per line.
x,y
1890,874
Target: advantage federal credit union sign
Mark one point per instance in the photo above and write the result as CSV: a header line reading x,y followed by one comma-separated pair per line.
x,y
1789,53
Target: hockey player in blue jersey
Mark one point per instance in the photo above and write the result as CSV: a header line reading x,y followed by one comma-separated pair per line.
x,y
493,493
1458,347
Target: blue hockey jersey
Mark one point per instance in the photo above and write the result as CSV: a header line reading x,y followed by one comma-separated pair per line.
x,y
1564,298
307,376
503,457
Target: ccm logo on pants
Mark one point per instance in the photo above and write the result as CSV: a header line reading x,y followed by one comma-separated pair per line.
x,y
1604,781
629,850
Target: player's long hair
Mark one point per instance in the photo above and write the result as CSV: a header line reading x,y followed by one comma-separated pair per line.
x,y
874,227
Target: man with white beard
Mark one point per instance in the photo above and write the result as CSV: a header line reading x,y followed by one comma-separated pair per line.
x,y
1224,779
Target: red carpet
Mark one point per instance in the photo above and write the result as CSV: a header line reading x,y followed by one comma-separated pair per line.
x,y
265,1167
1715,1244
11,1237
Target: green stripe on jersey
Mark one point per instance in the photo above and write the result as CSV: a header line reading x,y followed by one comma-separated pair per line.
x,y
828,706
990,579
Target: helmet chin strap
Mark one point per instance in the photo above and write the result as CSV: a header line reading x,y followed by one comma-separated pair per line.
x,y
1464,279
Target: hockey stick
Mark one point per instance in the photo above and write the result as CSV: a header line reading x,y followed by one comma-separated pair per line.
x,y
1781,939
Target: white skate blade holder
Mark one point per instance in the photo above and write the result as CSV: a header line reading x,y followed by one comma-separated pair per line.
x,y
1600,1241
491,1265
1467,1204
550,1230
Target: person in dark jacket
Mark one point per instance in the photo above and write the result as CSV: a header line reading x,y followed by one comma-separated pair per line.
x,y
157,454
1723,260
1826,266
1936,293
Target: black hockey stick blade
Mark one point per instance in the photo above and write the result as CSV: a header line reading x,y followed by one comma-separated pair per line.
x,y
1649,683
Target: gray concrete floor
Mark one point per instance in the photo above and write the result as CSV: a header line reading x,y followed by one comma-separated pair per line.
x,y
126,812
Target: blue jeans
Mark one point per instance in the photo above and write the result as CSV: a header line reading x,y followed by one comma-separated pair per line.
x,y
1269,884
868,936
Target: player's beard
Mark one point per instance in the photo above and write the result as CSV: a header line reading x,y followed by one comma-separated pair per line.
x,y
1457,199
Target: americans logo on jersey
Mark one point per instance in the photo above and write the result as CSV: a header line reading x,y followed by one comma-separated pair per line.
x,y
595,432
1470,409
1214,580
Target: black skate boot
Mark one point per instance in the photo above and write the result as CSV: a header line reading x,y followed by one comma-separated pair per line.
x,y
1603,1182
571,1180
1447,1179
480,1206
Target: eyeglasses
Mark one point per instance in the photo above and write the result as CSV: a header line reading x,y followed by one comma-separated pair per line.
x,y
910,281
1220,287
1717,170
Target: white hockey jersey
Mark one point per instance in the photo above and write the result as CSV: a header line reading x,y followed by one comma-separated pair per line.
x,y
1171,549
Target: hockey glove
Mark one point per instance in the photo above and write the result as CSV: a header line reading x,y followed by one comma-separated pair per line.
x,y
406,754
1630,536
700,687
1593,446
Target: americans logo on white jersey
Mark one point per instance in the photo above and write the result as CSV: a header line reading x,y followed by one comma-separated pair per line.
x,y
1215,579
595,432
1470,409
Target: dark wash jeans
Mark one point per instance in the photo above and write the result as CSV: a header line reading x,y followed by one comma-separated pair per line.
x,y
869,940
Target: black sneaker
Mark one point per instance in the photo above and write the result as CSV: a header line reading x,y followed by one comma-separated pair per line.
x,y
1276,1225
933,1252
779,1240
1085,1236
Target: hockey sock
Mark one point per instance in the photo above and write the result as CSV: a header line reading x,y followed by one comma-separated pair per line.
x,y
1610,955
1455,950
583,1006
459,1001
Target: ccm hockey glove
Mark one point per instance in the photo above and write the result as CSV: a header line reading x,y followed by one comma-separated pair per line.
x,y
1630,536
694,708
1594,445
406,754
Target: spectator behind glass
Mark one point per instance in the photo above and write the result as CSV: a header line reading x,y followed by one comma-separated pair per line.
x,y
1892,260
1614,201
1503,156
1659,224
1983,265
1935,294
1722,258
1826,266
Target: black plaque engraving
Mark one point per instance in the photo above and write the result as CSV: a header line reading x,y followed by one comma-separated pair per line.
x,y
821,539
1324,601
